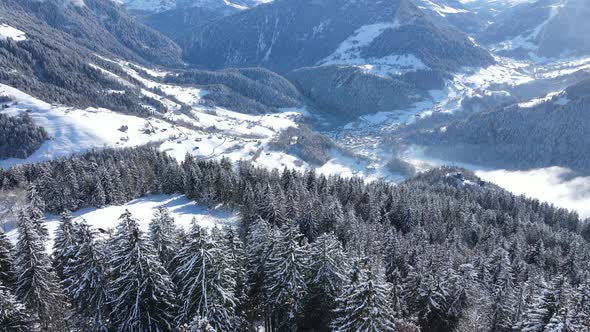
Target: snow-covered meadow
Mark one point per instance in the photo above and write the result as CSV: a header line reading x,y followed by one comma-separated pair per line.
x,y
181,209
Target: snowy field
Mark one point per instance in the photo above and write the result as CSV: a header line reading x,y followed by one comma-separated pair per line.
x,y
181,209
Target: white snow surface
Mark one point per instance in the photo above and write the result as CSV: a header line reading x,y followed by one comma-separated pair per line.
x,y
559,96
8,32
441,9
181,209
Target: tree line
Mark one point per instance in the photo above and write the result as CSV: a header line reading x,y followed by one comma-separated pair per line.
x,y
310,252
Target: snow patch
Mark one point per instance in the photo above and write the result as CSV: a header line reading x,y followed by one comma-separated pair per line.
x,y
8,32
562,100
441,9
348,53
181,209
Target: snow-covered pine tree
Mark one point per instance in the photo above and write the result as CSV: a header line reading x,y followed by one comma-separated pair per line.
x,y
192,177
285,284
97,195
308,220
363,306
205,282
293,210
171,179
14,317
327,275
141,292
200,324
36,285
163,234
259,242
86,283
63,242
578,314
35,208
237,260
7,275
270,203
221,296
71,188
248,212
540,309
569,314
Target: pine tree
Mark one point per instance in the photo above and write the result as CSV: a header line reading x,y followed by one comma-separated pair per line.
x,y
578,313
270,204
237,259
35,208
86,282
327,276
14,317
259,243
97,196
141,292
163,234
205,281
63,242
200,324
7,275
540,309
192,178
285,285
363,306
36,285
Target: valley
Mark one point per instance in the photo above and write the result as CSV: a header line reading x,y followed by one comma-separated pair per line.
x,y
295,165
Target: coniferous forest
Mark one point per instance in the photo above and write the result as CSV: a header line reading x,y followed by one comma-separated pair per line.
x,y
309,253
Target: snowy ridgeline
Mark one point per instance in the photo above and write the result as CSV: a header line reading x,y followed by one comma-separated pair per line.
x,y
181,209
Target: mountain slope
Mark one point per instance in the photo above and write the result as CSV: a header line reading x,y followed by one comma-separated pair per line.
x,y
551,131
51,65
546,29
286,35
179,21
147,7
101,25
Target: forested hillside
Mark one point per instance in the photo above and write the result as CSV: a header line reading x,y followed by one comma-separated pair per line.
x,y
19,136
551,131
441,252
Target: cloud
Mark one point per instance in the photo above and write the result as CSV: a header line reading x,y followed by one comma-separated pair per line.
x,y
556,185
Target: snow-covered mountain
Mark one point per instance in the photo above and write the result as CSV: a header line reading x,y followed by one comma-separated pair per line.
x,y
157,6
319,30
544,30
549,131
